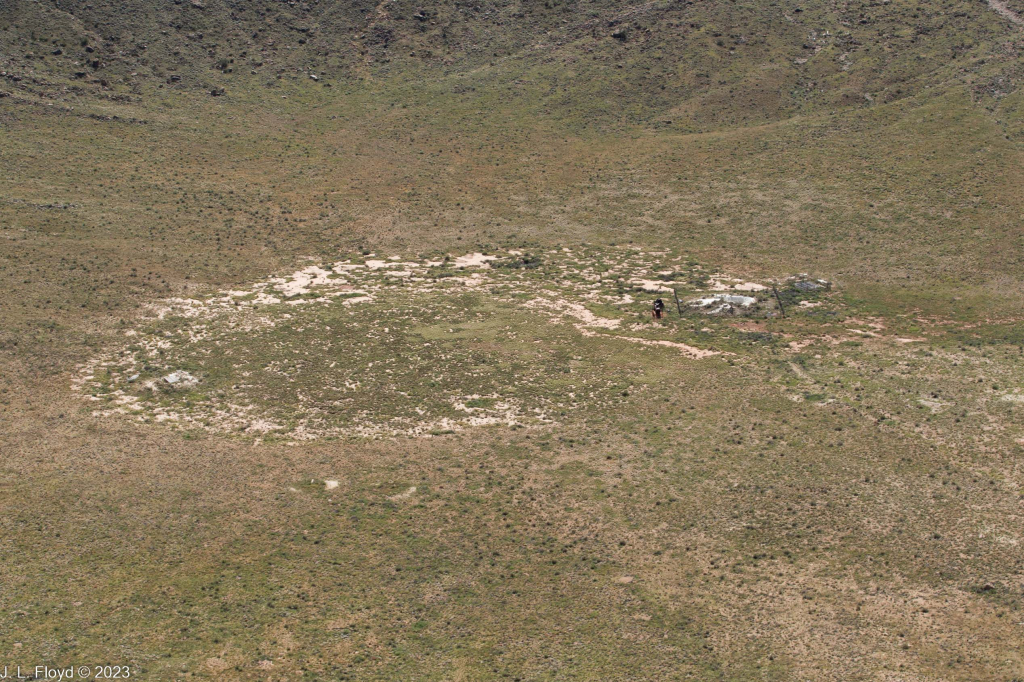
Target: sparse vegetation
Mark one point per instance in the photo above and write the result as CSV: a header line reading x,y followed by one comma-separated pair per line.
x,y
458,446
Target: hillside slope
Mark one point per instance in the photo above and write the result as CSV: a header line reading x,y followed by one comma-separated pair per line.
x,y
699,65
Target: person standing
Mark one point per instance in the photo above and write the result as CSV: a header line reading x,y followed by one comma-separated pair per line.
x,y
658,309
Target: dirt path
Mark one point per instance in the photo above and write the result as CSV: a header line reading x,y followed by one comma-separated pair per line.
x,y
1000,6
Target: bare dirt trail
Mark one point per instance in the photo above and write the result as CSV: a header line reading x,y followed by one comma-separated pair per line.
x,y
1000,6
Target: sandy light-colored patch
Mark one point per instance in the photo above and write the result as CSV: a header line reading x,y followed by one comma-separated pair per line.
x,y
473,260
652,286
574,310
1003,9
404,495
721,282
135,380
691,351
300,282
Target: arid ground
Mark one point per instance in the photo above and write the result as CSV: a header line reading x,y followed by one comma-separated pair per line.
x,y
326,347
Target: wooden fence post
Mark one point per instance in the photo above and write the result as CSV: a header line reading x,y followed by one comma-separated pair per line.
x,y
777,298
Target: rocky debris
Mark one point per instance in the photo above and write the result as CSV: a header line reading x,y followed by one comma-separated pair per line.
x,y
380,36
217,92
716,304
115,118
804,282
181,379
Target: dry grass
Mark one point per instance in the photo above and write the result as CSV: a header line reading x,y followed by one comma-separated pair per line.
x,y
834,495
